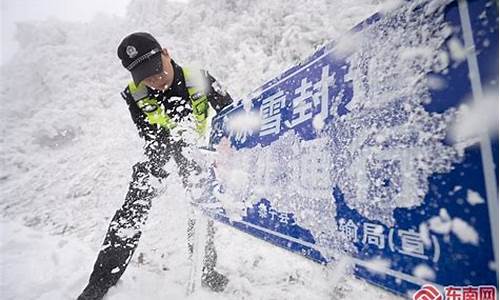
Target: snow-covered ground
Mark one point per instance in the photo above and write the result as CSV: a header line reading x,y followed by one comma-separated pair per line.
x,y
39,265
67,145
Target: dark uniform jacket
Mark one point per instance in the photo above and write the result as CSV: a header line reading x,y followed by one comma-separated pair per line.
x,y
174,100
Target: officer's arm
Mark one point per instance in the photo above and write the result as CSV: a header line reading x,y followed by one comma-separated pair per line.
x,y
156,138
217,95
145,130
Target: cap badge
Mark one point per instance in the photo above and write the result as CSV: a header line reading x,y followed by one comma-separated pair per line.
x,y
131,51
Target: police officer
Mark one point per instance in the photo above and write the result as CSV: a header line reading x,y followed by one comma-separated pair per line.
x,y
161,96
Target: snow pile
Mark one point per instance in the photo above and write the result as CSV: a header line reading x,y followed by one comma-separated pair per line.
x,y
474,197
39,266
445,225
245,43
425,272
476,119
388,145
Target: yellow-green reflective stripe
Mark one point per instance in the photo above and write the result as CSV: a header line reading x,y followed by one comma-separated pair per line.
x,y
200,105
154,111
147,102
138,92
132,87
159,117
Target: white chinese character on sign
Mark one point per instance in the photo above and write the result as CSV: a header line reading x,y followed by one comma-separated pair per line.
x,y
320,97
373,234
309,97
411,244
262,211
273,214
349,230
270,113
302,104
283,218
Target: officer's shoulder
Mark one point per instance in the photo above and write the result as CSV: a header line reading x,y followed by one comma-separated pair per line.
x,y
133,92
191,71
195,76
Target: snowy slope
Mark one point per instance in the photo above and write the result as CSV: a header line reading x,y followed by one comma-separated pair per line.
x,y
67,145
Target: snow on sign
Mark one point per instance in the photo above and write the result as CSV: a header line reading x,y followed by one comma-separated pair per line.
x,y
372,147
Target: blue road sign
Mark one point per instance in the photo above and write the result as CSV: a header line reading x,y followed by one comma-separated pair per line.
x,y
368,148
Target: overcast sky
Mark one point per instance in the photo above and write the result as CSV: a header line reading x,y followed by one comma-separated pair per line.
x,y
71,10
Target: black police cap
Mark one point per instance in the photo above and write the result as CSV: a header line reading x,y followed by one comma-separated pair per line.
x,y
140,53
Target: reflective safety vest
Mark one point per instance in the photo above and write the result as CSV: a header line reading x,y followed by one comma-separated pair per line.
x,y
155,111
